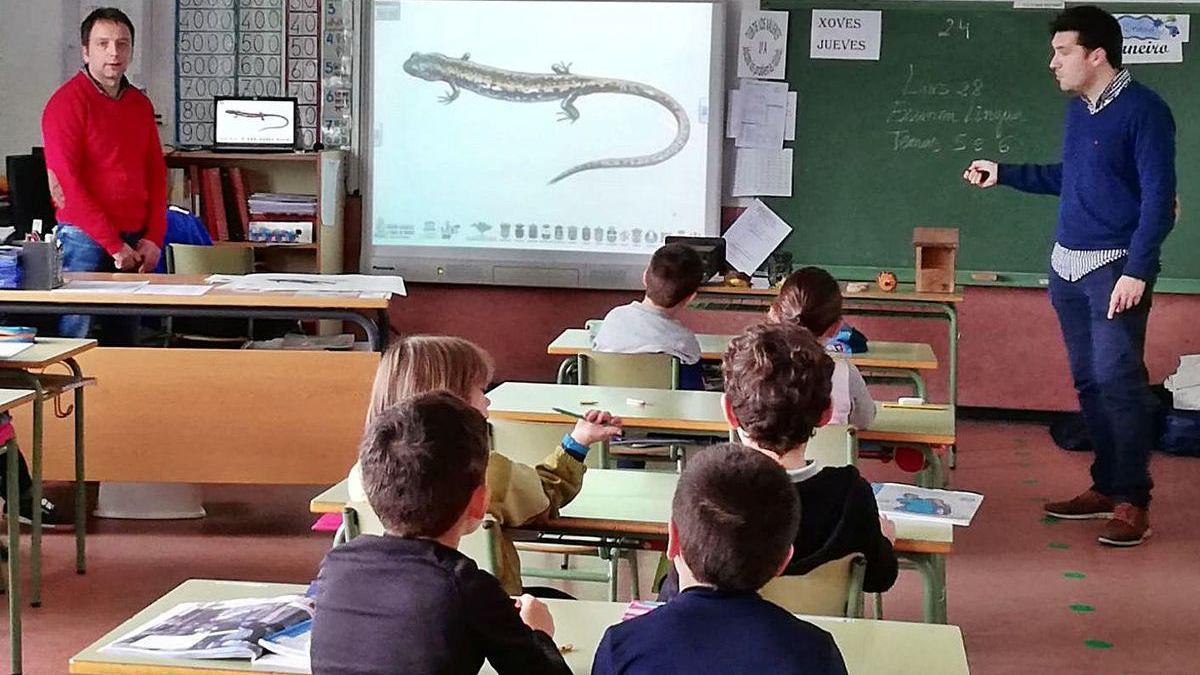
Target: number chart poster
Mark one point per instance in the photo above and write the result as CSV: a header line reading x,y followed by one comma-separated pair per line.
x,y
246,48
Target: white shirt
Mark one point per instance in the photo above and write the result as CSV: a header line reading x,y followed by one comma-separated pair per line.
x,y
852,403
638,328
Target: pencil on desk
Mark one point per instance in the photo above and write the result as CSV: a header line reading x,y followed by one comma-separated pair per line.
x,y
916,406
563,411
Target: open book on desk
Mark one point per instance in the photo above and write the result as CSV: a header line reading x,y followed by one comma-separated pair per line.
x,y
896,500
215,630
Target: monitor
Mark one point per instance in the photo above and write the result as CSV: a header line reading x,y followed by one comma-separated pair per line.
x,y
255,123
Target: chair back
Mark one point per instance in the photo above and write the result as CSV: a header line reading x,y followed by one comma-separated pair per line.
x,y
833,589
833,445
189,259
649,371
529,442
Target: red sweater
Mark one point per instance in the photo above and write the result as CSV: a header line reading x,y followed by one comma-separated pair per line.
x,y
107,158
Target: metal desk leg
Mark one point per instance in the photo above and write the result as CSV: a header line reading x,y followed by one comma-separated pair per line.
x,y
80,485
13,513
933,577
35,537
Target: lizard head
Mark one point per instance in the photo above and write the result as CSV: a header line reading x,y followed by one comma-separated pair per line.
x,y
426,66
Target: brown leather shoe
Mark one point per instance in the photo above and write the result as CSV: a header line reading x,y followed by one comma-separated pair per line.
x,y
1087,506
1129,526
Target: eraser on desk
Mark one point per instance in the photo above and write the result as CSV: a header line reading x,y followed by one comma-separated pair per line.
x,y
910,400
857,287
634,401
985,276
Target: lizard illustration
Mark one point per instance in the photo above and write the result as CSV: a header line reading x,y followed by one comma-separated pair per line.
x,y
262,117
509,85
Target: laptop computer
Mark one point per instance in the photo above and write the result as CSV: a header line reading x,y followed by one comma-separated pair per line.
x,y
255,124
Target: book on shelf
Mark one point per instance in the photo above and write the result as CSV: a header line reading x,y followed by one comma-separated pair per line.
x,y
212,209
897,500
237,205
216,630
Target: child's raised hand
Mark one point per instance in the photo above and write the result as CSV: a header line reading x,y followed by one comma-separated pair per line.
x,y
596,426
535,614
888,527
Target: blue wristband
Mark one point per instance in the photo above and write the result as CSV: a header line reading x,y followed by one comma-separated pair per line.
x,y
574,448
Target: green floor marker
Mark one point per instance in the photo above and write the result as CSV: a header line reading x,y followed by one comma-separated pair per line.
x,y
1097,644
1050,520
1059,544
1074,575
1082,609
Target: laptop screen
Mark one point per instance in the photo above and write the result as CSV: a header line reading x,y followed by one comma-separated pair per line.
x,y
254,123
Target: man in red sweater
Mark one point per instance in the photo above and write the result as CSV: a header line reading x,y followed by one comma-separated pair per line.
x,y
106,168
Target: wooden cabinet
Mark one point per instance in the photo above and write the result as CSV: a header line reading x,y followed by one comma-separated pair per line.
x,y
319,173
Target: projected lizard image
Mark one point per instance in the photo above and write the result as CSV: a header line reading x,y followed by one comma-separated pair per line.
x,y
573,128
561,83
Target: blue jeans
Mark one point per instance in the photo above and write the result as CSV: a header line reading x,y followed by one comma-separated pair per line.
x,y
81,253
1107,364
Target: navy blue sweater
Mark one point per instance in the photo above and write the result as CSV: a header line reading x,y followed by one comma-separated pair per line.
x,y
709,631
1116,178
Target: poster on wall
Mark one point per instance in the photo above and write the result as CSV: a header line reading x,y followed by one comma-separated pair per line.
x,y
846,34
762,45
1153,38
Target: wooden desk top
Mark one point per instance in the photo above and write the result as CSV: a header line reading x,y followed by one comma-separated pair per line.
x,y
903,293
867,645
665,409
914,355
638,503
900,425
217,297
46,351
11,398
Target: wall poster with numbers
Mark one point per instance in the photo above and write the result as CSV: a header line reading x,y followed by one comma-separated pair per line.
x,y
261,48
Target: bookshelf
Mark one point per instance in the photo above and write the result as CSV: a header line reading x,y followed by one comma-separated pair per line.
x,y
320,173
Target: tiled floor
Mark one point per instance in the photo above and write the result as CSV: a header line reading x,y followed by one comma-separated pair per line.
x,y
1030,596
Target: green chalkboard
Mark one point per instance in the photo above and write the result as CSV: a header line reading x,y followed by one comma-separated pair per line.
x,y
881,145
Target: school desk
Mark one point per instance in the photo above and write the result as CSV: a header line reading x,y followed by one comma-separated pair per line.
x,y
10,399
868,646
904,302
898,360
25,370
215,415
632,509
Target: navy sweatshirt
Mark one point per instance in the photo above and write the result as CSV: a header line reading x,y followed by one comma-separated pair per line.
x,y
410,606
1116,178
705,630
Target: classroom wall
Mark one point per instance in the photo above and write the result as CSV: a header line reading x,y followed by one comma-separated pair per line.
x,y
1011,354
39,50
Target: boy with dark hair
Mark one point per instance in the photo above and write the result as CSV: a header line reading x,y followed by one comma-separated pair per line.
x,y
730,533
652,325
777,384
408,601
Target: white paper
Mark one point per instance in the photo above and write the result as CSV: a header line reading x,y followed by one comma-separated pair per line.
x,y
845,34
82,286
1039,4
1152,51
733,115
762,47
762,172
1147,27
173,289
11,349
323,284
764,114
754,236
918,503
789,118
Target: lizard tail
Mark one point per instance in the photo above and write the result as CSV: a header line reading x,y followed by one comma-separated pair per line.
x,y
684,129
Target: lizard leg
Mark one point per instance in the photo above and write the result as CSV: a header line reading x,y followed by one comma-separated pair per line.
x,y
448,97
569,111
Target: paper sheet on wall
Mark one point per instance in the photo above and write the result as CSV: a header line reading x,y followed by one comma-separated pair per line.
x,y
762,46
763,114
1153,38
845,34
762,172
754,236
733,115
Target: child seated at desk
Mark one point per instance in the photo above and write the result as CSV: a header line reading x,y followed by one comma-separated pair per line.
x,y
730,533
408,601
812,298
519,493
777,382
652,326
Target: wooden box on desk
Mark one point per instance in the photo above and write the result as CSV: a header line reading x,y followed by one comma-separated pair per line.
x,y
936,250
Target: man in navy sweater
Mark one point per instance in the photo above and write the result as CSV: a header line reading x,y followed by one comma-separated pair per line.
x,y
733,520
1116,182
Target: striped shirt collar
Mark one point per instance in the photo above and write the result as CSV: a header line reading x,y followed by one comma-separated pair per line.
x,y
99,87
1110,93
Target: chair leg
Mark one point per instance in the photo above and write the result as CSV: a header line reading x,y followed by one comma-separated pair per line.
x,y
634,584
613,576
566,562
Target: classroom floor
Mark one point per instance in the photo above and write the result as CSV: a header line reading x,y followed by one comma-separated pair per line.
x,y
1030,596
